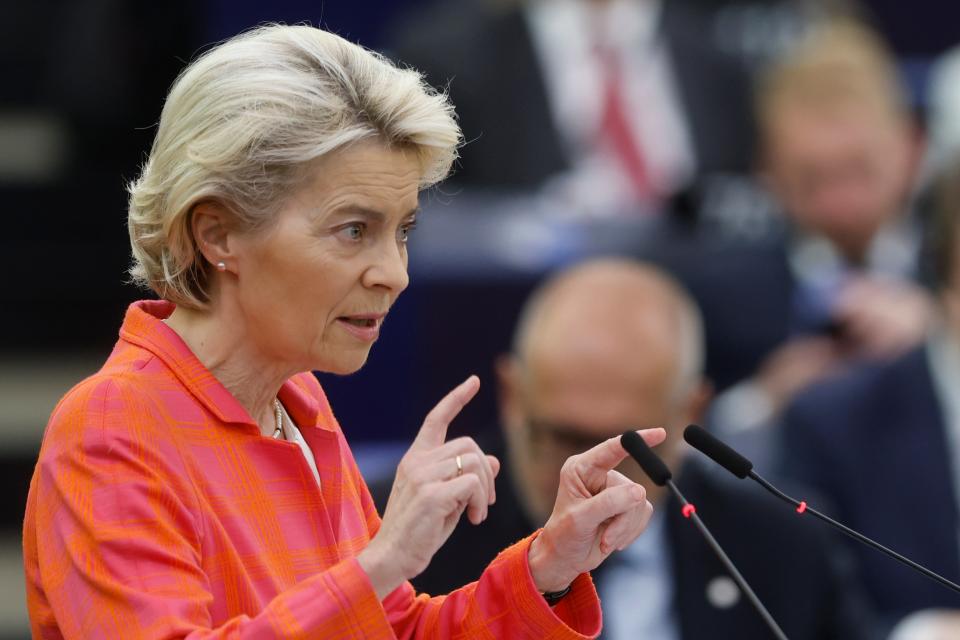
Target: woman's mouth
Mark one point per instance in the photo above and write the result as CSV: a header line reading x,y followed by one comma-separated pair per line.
x,y
365,328
361,322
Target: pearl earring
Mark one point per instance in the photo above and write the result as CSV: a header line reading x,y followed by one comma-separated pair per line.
x,y
221,266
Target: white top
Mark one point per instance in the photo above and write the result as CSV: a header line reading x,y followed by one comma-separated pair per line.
x,y
563,38
292,434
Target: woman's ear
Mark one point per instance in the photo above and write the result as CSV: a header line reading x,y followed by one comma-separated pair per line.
x,y
209,224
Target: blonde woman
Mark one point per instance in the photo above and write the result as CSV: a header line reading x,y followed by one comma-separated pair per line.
x,y
198,485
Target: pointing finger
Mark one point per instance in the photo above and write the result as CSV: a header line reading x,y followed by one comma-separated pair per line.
x,y
434,429
609,453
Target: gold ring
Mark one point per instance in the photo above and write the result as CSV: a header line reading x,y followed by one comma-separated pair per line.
x,y
459,466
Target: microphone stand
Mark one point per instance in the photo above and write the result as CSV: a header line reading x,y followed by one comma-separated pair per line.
x,y
690,512
802,508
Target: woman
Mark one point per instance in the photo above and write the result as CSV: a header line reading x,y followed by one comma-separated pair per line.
x,y
198,485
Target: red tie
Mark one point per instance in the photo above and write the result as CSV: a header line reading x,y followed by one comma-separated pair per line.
x,y
615,129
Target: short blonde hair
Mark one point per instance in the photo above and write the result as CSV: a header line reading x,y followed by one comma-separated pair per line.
x,y
242,122
838,63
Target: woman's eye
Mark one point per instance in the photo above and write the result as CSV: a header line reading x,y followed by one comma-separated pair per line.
x,y
353,231
405,230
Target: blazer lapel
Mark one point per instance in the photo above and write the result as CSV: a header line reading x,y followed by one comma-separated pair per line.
x,y
920,435
318,427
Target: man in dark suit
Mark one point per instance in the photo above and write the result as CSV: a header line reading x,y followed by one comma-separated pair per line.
x,y
840,152
540,88
882,444
611,345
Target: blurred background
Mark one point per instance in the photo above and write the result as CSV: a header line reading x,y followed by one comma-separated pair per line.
x,y
643,137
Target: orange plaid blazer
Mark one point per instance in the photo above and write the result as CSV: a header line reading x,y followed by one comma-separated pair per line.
x,y
157,510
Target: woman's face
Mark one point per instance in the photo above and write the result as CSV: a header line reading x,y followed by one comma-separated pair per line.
x,y
314,287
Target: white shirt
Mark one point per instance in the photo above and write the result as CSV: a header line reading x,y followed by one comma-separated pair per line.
x,y
562,33
816,263
637,588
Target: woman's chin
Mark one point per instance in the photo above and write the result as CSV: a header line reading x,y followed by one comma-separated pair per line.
x,y
344,365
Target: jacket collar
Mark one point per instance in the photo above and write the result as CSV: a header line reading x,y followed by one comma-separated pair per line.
x,y
144,326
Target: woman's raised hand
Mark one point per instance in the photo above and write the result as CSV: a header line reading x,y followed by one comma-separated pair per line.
x,y
436,481
597,511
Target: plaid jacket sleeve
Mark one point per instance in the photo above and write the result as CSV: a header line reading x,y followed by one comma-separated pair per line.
x,y
116,543
118,546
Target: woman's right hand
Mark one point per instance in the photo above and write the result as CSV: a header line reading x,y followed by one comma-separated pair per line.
x,y
429,495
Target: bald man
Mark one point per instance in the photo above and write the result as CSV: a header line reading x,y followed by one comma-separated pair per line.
x,y
610,345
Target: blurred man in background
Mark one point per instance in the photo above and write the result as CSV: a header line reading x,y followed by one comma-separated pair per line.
x,y
601,348
611,105
882,443
840,153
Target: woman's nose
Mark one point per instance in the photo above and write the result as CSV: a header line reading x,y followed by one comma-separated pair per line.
x,y
389,270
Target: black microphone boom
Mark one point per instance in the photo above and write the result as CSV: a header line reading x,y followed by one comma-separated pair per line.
x,y
654,467
702,440
650,462
705,442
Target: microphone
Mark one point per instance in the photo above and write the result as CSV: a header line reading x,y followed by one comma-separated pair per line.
x,y
708,444
654,467
704,442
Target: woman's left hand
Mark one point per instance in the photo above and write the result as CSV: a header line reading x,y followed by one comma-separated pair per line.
x,y
597,511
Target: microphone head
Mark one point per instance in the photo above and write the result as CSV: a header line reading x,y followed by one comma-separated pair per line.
x,y
705,442
651,464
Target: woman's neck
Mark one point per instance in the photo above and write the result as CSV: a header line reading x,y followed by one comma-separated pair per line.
x,y
224,346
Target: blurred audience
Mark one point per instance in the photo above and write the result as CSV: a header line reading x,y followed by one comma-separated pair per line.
x,y
609,106
882,444
840,152
611,345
